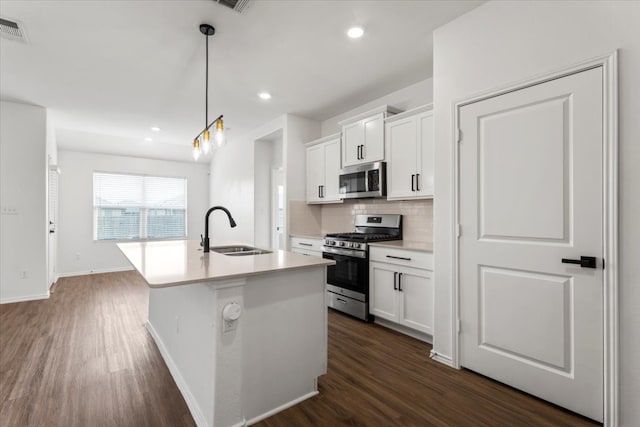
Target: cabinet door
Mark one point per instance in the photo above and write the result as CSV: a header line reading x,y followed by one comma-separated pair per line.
x,y
331,171
382,295
373,149
352,138
416,299
426,149
401,158
315,172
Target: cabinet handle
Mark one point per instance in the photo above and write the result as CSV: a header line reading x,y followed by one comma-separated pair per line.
x,y
413,188
305,244
417,182
400,282
399,257
362,155
395,278
319,192
322,191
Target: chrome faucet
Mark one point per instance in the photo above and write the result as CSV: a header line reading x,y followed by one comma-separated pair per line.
x,y
205,241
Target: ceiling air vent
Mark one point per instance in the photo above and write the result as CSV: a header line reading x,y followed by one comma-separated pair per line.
x,y
237,5
12,30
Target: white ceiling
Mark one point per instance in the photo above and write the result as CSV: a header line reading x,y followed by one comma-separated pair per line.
x,y
109,70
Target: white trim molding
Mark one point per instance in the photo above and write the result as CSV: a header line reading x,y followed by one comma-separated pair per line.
x,y
280,408
99,271
25,298
609,64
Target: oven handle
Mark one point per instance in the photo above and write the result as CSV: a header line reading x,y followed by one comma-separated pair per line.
x,y
344,252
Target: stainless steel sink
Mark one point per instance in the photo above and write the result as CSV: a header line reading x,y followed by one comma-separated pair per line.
x,y
239,250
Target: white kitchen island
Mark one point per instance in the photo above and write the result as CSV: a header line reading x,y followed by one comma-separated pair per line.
x,y
235,373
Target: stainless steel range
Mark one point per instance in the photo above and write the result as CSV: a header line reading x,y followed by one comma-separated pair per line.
x,y
348,280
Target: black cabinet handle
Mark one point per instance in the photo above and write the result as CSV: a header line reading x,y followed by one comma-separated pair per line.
x,y
305,244
399,257
413,187
319,196
400,282
395,278
417,182
584,261
322,191
358,152
362,152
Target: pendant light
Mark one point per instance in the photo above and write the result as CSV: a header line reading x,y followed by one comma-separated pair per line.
x,y
202,143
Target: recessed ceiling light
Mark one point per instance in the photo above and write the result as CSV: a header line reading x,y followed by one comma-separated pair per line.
x,y
355,32
155,128
264,95
148,139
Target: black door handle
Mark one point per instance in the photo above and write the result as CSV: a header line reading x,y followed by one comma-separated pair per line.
x,y
584,261
417,182
395,276
400,282
362,152
358,152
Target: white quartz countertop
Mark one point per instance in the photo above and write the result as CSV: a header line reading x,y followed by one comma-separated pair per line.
x,y
403,244
180,262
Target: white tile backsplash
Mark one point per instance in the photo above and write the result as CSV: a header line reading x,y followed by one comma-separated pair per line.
x,y
417,216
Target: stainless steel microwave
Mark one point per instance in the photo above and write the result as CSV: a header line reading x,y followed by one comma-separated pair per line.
x,y
363,181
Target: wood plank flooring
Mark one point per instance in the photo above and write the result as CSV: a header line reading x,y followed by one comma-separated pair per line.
x,y
84,358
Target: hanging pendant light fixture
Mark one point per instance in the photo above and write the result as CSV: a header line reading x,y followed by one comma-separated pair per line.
x,y
202,143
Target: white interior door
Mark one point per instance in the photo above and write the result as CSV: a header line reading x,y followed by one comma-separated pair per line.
x,y
530,195
53,224
277,208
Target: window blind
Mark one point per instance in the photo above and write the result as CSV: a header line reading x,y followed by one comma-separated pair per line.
x,y
138,207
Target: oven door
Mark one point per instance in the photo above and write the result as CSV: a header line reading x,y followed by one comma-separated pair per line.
x,y
350,272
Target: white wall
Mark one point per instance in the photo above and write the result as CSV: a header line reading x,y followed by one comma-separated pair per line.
x,y
75,231
417,94
23,187
502,42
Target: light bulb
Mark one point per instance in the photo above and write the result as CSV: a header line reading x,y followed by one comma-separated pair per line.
x,y
219,135
206,143
196,149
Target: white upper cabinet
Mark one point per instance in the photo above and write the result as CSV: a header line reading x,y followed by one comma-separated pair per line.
x,y
410,143
363,136
323,170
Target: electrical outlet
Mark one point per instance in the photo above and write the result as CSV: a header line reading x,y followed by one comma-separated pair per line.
x,y
6,210
23,274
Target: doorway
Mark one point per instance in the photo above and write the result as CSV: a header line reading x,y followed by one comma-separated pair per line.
x,y
269,191
535,214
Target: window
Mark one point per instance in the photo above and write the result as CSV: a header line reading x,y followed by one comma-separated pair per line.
x,y
138,207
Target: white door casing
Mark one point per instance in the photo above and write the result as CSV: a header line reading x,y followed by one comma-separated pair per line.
x,y
530,194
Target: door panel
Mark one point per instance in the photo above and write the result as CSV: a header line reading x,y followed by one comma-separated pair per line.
x,y
315,172
373,149
332,170
402,157
530,195
352,137
383,297
417,301
426,154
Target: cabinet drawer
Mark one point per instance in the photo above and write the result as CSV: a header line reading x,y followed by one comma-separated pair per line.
x,y
415,259
307,244
306,252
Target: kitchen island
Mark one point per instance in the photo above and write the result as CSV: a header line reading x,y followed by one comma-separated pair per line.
x,y
243,336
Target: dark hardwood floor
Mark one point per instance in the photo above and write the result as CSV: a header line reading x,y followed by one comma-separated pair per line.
x,y
84,358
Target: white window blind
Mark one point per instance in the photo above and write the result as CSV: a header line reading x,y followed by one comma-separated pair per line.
x,y
138,207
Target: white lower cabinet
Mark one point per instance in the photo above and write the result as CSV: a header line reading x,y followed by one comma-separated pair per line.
x,y
400,293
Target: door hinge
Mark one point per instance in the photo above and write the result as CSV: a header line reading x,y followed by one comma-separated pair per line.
x,y
458,230
458,135
458,326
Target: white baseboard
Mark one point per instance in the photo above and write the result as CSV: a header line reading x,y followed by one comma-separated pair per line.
x,y
194,408
25,298
404,330
98,271
446,360
281,408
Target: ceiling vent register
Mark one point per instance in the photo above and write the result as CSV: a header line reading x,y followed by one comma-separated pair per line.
x,y
12,30
237,5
